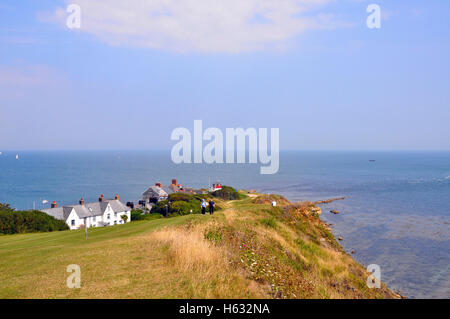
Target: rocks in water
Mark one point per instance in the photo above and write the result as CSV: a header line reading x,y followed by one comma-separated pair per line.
x,y
328,200
333,211
340,238
353,251
399,295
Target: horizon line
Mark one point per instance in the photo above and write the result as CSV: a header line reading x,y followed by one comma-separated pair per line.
x,y
281,150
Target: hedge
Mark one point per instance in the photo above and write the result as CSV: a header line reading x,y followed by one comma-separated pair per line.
x,y
13,222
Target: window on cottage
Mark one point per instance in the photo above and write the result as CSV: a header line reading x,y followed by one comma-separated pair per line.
x,y
115,222
108,216
73,222
95,219
115,215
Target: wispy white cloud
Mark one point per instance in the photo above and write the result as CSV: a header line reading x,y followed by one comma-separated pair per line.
x,y
228,26
23,81
28,76
18,40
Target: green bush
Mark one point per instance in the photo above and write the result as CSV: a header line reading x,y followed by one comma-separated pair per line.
x,y
227,193
160,208
180,197
183,203
184,208
138,214
178,204
200,197
12,222
5,208
175,197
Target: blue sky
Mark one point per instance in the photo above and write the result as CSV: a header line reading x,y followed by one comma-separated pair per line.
x,y
128,77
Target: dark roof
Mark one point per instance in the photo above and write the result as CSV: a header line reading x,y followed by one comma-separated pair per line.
x,y
87,210
156,191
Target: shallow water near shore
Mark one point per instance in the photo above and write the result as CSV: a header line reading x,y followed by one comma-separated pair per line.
x,y
396,213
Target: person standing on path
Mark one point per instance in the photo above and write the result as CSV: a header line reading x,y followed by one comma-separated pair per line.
x,y
203,204
211,207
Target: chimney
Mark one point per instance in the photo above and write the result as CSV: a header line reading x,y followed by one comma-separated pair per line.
x,y
81,201
158,184
54,205
117,197
101,198
174,182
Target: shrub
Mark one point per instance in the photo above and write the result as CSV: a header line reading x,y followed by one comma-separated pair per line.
x,y
138,214
200,197
5,208
227,193
177,208
184,208
160,208
12,222
180,197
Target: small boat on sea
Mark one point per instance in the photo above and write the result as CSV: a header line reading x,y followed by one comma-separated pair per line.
x,y
17,156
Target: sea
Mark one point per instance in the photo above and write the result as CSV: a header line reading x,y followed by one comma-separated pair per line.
x,y
396,211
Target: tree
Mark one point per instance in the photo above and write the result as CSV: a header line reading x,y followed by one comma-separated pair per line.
x,y
124,218
12,222
5,208
227,193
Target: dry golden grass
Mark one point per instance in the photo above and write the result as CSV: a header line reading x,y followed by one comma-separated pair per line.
x,y
189,251
207,268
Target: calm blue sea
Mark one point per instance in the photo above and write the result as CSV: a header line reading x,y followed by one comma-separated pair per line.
x,y
396,213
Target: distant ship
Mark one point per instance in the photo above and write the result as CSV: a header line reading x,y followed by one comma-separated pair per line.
x,y
17,156
371,160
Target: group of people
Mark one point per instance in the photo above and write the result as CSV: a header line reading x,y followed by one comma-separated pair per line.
x,y
211,207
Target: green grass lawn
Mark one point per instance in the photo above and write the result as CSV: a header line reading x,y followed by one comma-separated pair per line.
x,y
32,264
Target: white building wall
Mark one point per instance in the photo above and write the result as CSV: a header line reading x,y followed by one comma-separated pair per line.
x,y
97,221
108,216
73,221
115,218
93,221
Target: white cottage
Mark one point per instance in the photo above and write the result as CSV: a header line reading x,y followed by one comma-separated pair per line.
x,y
99,214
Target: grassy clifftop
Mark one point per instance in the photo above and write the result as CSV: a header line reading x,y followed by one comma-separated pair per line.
x,y
247,250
